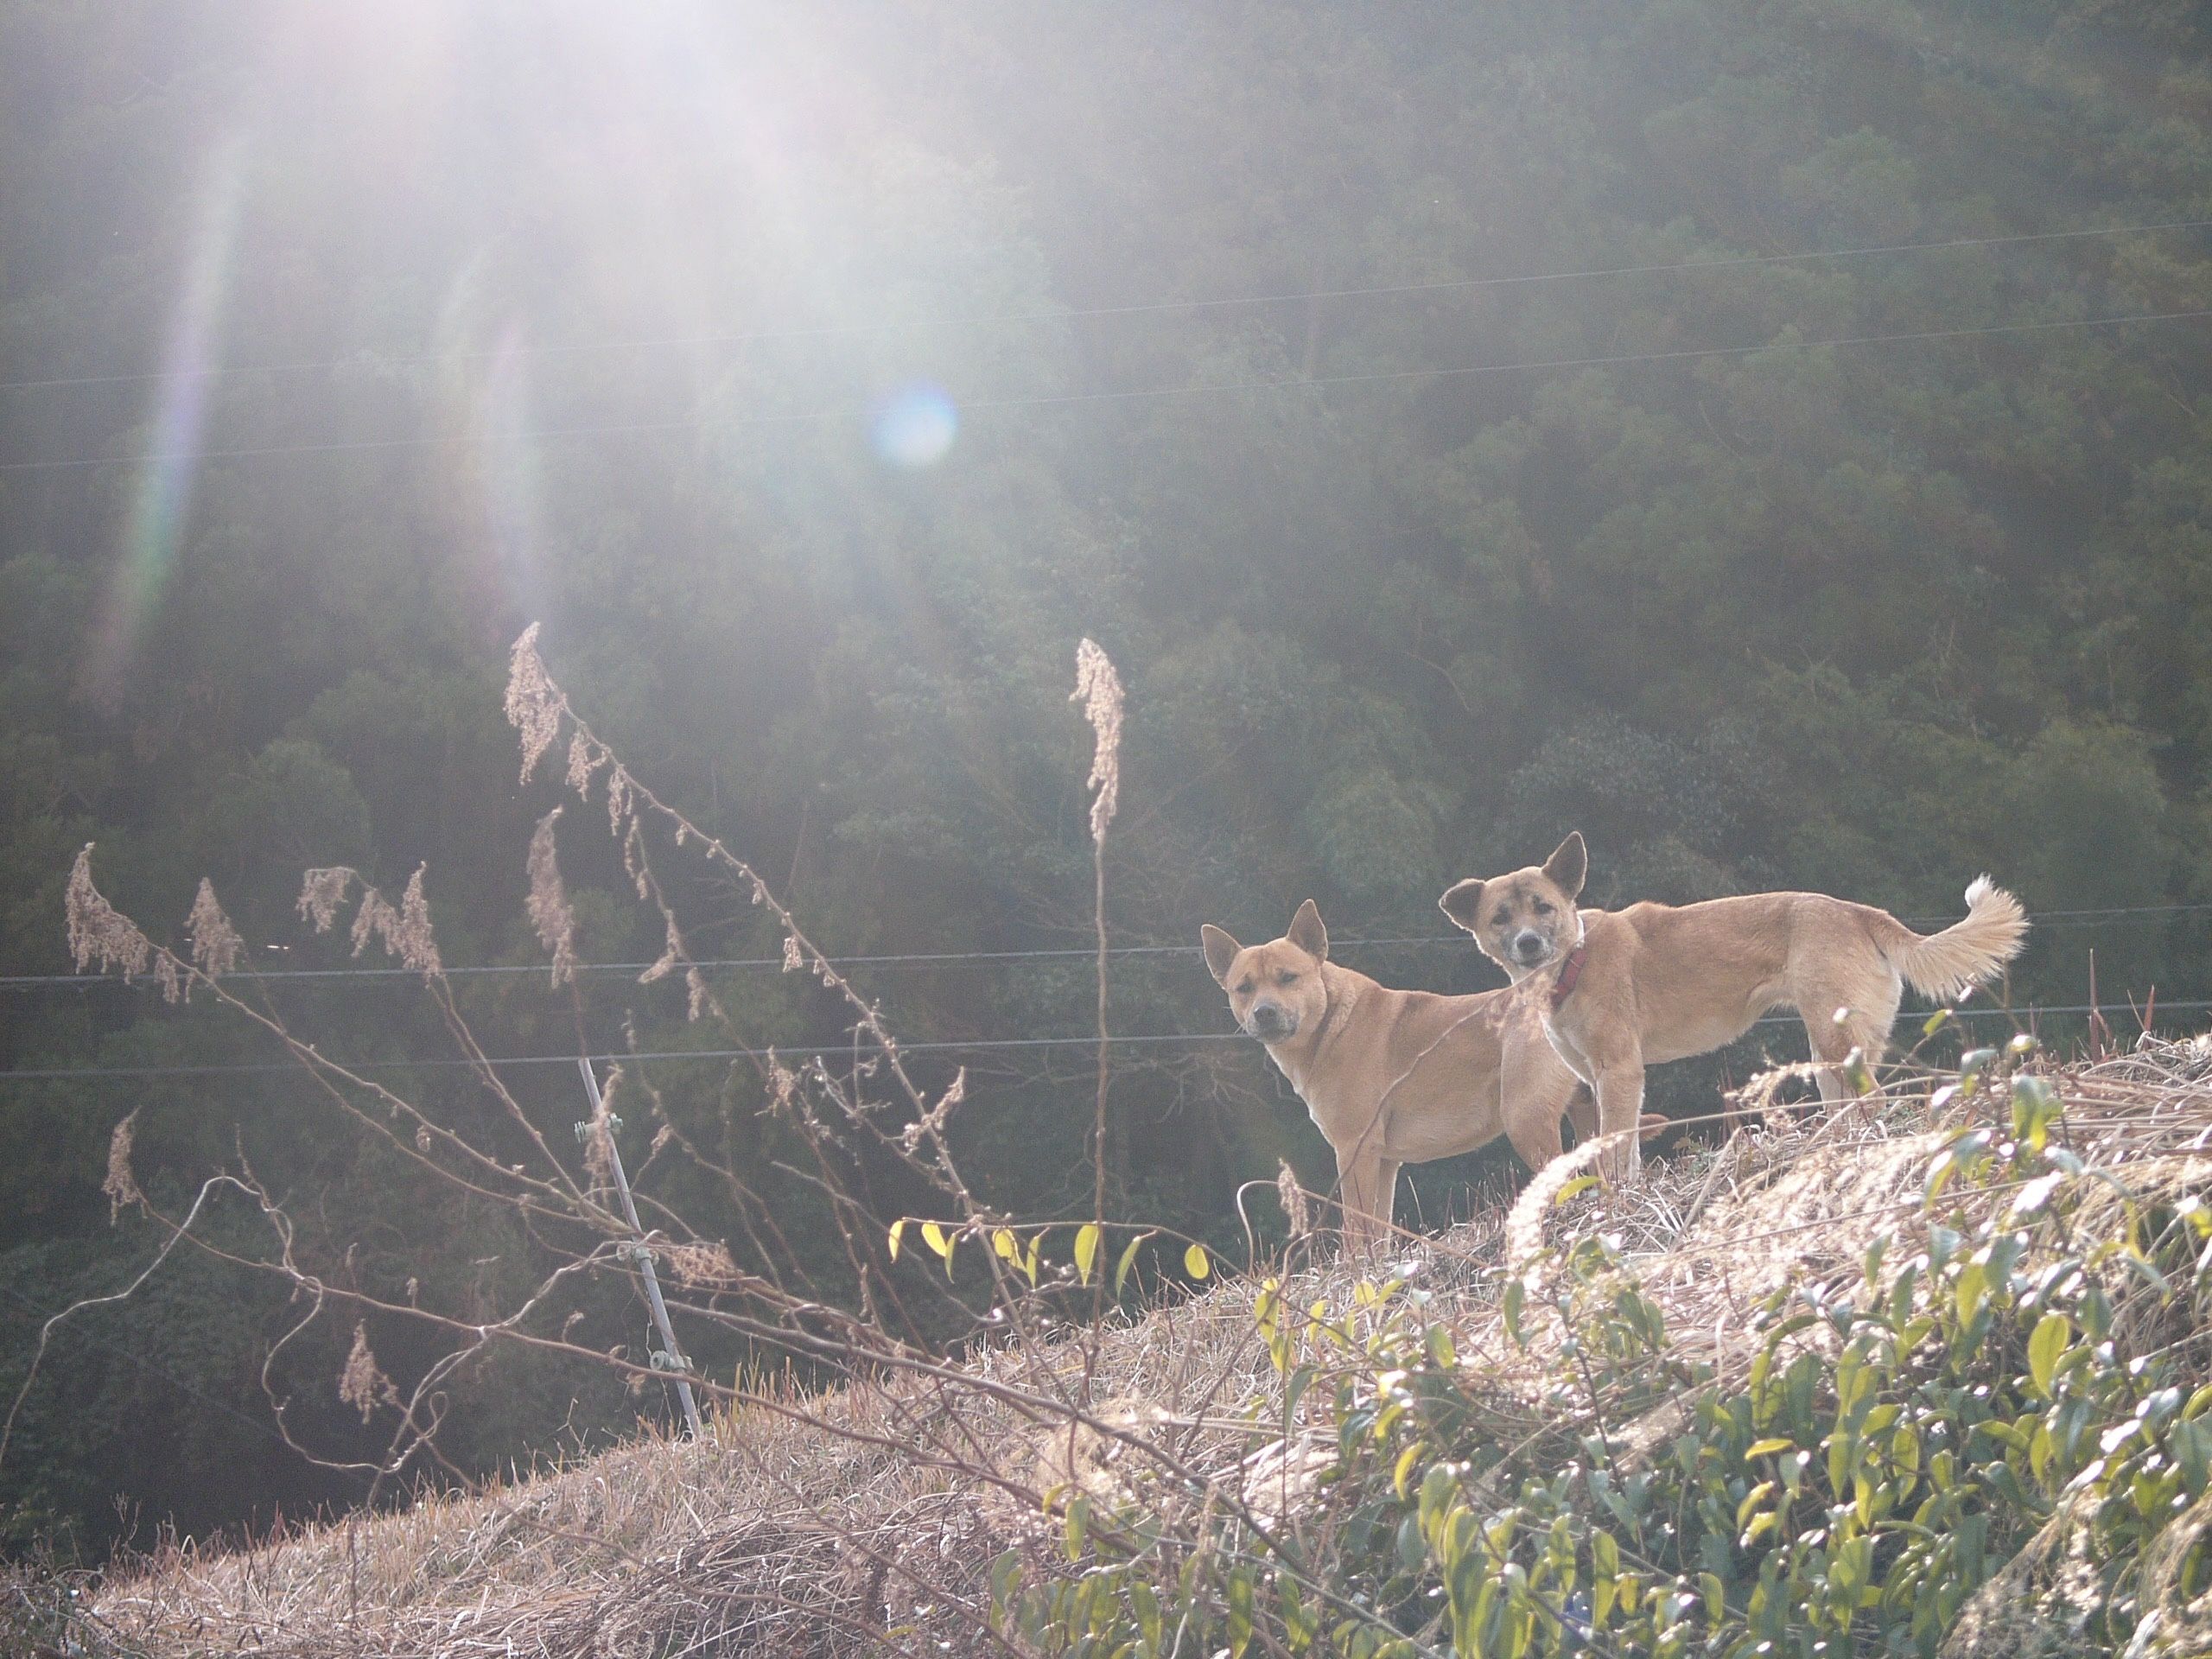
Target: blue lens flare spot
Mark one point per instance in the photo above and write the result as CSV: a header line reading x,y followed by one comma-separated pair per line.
x,y
915,426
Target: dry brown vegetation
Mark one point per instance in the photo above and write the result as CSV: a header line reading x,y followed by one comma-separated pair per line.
x,y
869,1516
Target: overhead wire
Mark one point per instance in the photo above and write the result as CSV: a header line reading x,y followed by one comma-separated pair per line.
x,y
2107,917
972,1046
1063,400
1148,308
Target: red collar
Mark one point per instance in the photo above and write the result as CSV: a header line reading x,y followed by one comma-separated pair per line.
x,y
1570,975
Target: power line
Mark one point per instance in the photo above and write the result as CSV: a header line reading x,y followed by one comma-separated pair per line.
x,y
617,429
976,1045
918,958
1079,314
2091,914
2113,916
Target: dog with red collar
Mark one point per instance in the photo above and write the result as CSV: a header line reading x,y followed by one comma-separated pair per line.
x,y
1656,982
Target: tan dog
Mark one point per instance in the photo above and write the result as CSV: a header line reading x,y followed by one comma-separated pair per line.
x,y
1650,983
1396,1077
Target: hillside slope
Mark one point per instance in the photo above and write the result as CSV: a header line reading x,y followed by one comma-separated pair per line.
x,y
895,1515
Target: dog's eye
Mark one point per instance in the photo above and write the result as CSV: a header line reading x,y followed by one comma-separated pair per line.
x,y
1245,989
1285,978
1503,917
1543,908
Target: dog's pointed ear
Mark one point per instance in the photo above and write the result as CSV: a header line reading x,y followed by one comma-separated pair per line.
x,y
1463,902
1307,933
1568,865
1221,950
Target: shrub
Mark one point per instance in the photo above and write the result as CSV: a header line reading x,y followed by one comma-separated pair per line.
x,y
1991,1435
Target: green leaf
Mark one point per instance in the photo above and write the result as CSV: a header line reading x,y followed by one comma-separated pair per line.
x,y
1716,1600
1857,1075
1086,1249
1128,1258
934,1237
1006,1579
1436,1493
898,1227
2192,1446
1294,1390
1752,1499
1945,1165
1146,1605
1195,1263
1905,1448
1240,1611
1974,1285
2035,1104
2045,1347
1407,1459
1412,1548
1299,1626
2147,1270
1516,1293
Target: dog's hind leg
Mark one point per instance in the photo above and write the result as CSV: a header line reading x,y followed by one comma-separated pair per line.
x,y
1831,1045
1386,1200
1846,1028
1533,1128
1582,1112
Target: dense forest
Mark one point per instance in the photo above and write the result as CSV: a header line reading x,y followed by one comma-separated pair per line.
x,y
1768,435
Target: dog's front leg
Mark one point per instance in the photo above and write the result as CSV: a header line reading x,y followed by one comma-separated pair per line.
x,y
1365,1197
1386,1200
1619,1085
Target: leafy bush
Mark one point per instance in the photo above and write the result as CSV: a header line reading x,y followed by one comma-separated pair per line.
x,y
1994,1435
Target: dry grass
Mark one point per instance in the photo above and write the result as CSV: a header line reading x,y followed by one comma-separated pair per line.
x,y
868,1517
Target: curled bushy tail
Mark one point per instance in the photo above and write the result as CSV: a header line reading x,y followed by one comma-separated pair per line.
x,y
1948,965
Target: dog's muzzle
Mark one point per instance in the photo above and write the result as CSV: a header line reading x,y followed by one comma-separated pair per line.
x,y
1531,948
1271,1023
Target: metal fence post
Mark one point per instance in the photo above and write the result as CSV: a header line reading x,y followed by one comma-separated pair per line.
x,y
668,1357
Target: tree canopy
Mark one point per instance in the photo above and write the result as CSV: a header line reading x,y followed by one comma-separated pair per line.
x,y
1768,435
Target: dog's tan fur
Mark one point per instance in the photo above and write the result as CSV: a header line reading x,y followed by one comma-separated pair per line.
x,y
1393,1076
1659,983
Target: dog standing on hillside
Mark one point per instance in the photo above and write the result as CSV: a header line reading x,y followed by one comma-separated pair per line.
x,y
1392,1076
1623,989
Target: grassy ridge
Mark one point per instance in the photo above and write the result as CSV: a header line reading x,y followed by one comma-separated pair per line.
x,y
1919,1379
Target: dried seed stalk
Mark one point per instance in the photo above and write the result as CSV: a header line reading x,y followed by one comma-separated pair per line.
x,y
549,913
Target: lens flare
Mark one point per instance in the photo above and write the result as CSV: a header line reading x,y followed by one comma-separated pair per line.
x,y
164,492
915,426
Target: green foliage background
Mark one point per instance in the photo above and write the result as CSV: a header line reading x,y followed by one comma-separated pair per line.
x,y
1869,619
